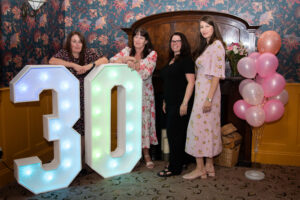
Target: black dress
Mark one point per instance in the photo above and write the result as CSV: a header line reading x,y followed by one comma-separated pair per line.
x,y
174,86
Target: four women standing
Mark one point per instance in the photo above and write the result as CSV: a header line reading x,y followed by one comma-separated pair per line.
x,y
200,134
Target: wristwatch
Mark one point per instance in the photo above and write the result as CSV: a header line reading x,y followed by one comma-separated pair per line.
x,y
208,99
94,64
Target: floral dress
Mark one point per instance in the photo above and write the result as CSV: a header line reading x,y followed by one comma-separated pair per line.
x,y
89,57
147,66
204,129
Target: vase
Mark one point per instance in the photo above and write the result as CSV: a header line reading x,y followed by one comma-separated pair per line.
x,y
234,70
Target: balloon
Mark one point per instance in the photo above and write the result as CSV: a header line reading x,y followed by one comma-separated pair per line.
x,y
253,93
273,85
240,107
283,97
254,55
266,64
255,116
269,41
246,67
243,83
259,79
274,110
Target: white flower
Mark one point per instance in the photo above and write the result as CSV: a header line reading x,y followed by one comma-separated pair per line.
x,y
235,49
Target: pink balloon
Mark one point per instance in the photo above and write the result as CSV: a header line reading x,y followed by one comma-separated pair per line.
x,y
255,116
254,55
246,67
273,85
267,64
283,97
274,110
259,79
243,83
253,93
240,107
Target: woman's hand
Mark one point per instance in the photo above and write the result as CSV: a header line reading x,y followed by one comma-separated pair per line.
x,y
131,65
127,59
206,107
183,109
164,107
83,69
100,61
76,67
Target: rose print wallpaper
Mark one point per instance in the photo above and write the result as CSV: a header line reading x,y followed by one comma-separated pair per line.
x,y
35,40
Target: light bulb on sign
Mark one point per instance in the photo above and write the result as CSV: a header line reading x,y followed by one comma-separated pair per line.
x,y
44,77
64,85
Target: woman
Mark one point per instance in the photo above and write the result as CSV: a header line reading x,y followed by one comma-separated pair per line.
x,y
79,60
142,58
179,80
204,131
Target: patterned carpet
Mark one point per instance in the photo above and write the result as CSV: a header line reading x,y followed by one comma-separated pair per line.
x,y
281,182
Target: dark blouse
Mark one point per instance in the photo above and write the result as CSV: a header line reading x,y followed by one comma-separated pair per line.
x,y
174,80
89,57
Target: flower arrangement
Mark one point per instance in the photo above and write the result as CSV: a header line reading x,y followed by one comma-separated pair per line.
x,y
234,52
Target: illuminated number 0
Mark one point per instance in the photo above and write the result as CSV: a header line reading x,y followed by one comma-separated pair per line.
x,y
26,87
98,86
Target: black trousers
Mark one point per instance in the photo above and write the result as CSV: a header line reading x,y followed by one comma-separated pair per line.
x,y
176,133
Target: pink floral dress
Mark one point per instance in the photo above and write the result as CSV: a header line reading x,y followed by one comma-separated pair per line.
x,y
204,129
147,66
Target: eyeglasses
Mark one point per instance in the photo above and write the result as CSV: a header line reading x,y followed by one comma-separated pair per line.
x,y
175,41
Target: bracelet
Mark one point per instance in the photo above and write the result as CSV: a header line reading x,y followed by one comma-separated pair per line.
x,y
208,99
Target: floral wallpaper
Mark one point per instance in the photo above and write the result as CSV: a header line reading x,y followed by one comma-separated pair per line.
x,y
28,40
35,40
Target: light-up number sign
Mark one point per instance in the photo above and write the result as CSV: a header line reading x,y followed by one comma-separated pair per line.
x,y
98,85
26,87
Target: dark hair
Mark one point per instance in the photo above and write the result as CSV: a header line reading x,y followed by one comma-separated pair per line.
x,y
148,47
215,36
67,46
185,49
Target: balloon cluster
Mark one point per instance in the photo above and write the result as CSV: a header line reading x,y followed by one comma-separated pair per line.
x,y
263,91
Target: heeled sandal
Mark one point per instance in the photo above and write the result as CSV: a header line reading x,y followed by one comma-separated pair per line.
x,y
149,164
210,172
191,175
165,173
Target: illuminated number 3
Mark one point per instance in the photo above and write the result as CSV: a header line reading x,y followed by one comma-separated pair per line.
x,y
32,80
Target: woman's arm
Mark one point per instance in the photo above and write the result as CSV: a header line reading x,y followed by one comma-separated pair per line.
x,y
188,93
87,67
213,87
146,66
58,61
121,56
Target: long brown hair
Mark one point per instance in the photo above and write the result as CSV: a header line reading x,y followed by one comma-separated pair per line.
x,y
215,36
67,46
148,47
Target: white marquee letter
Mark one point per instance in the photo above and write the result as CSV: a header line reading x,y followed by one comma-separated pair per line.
x,y
26,87
98,86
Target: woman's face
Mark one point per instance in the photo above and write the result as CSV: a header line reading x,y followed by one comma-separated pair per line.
x,y
139,41
176,44
76,44
206,30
